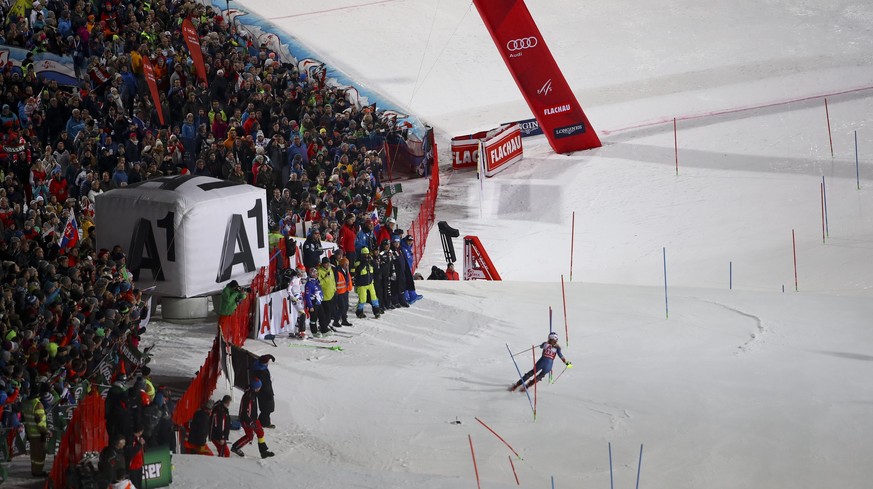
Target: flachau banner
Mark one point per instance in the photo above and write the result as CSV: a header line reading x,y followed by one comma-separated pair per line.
x,y
537,75
502,150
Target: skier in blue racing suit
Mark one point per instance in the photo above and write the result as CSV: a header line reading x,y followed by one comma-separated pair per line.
x,y
551,349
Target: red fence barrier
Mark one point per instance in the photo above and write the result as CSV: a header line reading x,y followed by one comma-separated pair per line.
x,y
85,433
420,226
201,387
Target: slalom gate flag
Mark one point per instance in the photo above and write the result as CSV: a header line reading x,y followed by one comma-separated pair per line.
x,y
71,233
192,40
537,75
149,72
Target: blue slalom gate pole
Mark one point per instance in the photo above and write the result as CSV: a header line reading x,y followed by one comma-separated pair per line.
x,y
611,486
639,466
857,163
520,377
824,192
666,303
553,482
731,275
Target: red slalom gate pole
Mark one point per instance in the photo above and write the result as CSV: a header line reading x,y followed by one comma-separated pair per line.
x,y
821,186
566,328
830,138
498,436
676,146
572,243
475,467
794,249
513,471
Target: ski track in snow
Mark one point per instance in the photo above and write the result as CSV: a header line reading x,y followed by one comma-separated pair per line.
x,y
756,338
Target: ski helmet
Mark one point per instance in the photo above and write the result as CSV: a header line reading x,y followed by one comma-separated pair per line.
x,y
256,384
553,336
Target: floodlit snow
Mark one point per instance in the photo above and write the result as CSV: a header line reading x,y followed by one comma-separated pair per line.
x,y
750,387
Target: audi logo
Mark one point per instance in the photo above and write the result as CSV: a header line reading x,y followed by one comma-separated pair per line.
x,y
523,43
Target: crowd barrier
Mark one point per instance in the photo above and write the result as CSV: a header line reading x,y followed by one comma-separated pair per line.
x,y
423,222
201,388
85,433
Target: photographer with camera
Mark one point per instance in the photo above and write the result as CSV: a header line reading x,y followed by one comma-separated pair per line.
x,y
231,296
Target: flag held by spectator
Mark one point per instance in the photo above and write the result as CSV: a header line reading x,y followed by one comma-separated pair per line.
x,y
71,233
149,72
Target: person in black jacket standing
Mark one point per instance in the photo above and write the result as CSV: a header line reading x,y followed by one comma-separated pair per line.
x,y
220,427
266,401
199,431
112,466
248,419
312,249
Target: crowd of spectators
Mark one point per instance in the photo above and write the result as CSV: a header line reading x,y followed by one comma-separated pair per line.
x,y
65,304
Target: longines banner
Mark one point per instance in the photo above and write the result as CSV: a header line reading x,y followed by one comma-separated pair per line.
x,y
537,75
186,235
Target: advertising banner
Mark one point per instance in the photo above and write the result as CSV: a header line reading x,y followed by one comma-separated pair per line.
x,y
157,470
502,150
465,149
192,40
187,235
47,66
277,314
537,75
529,127
149,72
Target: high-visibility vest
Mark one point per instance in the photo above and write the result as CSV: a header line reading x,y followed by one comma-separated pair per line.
x,y
343,282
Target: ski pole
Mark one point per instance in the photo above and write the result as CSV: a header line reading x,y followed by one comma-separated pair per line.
x,y
334,348
523,351
560,374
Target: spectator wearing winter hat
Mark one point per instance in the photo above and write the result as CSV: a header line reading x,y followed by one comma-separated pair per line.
x,y
266,400
248,419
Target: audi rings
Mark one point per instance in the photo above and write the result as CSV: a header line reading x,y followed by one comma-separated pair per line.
x,y
523,43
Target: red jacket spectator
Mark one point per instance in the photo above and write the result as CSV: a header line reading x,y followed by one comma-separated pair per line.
x,y
347,235
58,187
451,274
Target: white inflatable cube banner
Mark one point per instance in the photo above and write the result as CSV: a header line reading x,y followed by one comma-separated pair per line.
x,y
187,235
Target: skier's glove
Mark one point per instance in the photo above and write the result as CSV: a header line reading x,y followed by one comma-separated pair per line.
x,y
569,364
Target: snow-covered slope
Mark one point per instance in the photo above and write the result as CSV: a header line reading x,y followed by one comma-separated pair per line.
x,y
738,388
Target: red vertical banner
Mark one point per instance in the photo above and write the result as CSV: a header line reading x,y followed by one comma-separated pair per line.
x,y
192,40
149,72
537,75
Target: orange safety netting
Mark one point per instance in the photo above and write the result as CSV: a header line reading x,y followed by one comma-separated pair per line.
x,y
420,226
85,433
201,387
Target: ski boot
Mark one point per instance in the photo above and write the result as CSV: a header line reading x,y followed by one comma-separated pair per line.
x,y
265,453
377,312
238,451
346,323
360,314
